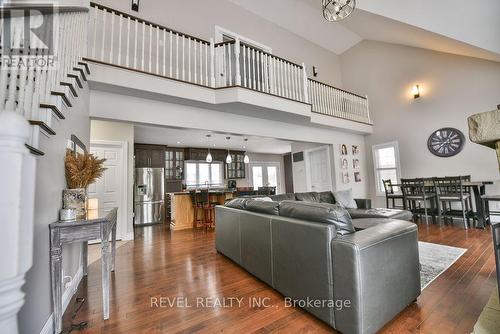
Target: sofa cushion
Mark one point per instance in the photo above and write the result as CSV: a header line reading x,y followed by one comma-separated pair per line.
x,y
283,197
238,203
312,197
319,212
364,223
345,198
266,207
380,213
326,197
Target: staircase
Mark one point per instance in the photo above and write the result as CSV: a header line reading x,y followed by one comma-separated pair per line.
x,y
38,86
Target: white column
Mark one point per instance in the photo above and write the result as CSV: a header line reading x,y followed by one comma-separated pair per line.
x,y
17,177
212,62
237,61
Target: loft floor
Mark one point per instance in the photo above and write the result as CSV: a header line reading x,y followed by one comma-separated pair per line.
x,y
185,264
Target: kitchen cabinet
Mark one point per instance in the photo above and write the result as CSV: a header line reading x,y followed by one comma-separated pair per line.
x,y
236,169
174,163
149,156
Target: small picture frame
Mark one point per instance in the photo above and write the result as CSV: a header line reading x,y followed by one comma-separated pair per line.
x,y
357,177
345,177
344,164
355,163
343,149
355,149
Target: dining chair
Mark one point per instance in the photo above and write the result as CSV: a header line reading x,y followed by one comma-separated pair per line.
x,y
449,190
415,190
390,194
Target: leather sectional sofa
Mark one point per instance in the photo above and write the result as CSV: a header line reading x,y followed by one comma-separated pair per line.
x,y
354,271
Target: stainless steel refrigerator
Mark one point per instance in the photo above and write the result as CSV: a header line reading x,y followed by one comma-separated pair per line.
x,y
149,202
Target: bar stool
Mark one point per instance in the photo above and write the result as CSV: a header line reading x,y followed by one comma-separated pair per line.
x,y
414,190
390,194
208,209
450,190
197,206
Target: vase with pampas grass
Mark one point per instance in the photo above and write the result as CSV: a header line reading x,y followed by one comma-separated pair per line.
x,y
81,171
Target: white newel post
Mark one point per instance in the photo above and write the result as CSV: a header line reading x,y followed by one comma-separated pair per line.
x,y
17,177
304,75
237,61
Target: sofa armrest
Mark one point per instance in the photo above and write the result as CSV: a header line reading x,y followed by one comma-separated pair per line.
x,y
377,271
363,203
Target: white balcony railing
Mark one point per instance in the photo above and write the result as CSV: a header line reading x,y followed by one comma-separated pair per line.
x,y
336,102
119,39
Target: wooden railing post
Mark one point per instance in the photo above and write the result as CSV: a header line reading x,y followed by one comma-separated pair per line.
x,y
237,61
212,62
17,178
304,75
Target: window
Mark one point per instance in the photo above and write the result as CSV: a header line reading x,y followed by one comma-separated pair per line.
x,y
386,165
265,175
202,174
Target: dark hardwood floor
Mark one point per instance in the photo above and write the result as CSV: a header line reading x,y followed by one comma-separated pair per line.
x,y
160,263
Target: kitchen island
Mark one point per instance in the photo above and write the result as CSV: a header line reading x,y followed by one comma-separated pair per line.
x,y
183,211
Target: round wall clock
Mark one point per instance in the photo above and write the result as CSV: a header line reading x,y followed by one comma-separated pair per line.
x,y
446,142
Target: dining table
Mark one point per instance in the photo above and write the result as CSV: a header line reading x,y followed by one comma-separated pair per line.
x,y
479,190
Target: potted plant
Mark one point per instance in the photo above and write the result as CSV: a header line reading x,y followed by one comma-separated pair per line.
x,y
81,171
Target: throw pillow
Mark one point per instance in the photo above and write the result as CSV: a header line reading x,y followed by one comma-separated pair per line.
x,y
345,198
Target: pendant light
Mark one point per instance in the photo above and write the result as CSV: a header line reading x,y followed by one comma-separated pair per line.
x,y
209,155
228,157
246,159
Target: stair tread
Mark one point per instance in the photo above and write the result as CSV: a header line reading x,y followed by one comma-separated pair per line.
x,y
54,109
43,125
34,150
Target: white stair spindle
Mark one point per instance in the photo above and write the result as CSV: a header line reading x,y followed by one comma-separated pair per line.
x,y
212,63
271,74
157,68
170,51
150,47
164,52
112,37
177,56
135,43
206,65
143,44
16,24
259,69
120,19
127,57
194,61
230,63
254,64
183,58
244,67
103,33
94,15
189,59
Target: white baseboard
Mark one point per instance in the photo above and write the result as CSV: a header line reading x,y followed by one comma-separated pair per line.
x,y
48,328
129,236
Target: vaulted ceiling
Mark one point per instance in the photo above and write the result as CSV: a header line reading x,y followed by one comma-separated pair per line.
x,y
452,26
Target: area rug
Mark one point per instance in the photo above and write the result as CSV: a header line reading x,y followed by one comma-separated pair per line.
x,y
435,259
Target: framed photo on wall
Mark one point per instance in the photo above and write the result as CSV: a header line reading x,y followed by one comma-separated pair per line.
x,y
343,149
357,177
355,149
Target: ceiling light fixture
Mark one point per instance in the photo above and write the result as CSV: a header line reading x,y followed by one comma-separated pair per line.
x,y
209,156
246,159
336,10
415,91
229,159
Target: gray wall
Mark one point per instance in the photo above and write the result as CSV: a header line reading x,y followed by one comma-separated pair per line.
x,y
50,182
199,18
453,88
261,157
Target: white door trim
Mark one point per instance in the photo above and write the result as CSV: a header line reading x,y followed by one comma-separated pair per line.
x,y
219,32
123,145
308,165
265,164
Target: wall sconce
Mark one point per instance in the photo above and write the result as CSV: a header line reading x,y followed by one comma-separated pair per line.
x,y
315,71
135,5
415,91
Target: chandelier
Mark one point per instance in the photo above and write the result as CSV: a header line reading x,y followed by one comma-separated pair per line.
x,y
336,10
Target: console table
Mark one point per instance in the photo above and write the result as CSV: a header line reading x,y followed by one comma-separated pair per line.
x,y
84,230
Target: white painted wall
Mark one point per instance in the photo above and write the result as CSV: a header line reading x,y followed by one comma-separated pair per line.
x,y
199,18
475,23
50,181
113,106
119,131
453,87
